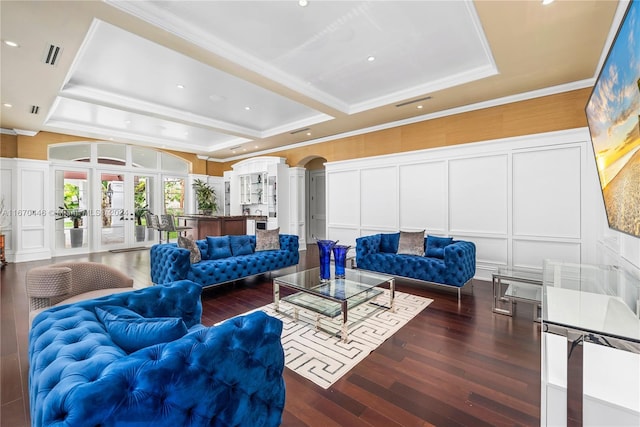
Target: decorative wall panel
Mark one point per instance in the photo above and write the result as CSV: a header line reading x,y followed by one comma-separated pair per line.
x,y
343,198
478,194
532,253
546,192
379,197
423,196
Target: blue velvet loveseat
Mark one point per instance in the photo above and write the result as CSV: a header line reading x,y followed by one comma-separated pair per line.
x,y
445,261
85,367
223,259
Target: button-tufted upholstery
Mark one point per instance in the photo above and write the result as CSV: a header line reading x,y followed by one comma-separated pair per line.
x,y
227,375
170,263
456,268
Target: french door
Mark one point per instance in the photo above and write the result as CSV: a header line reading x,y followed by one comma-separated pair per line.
x,y
124,198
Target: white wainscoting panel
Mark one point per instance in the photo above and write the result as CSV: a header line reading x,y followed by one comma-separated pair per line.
x,y
423,196
478,196
345,236
520,200
6,194
379,197
546,192
32,236
532,253
343,199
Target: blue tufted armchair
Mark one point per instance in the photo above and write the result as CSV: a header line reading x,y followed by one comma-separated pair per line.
x,y
226,375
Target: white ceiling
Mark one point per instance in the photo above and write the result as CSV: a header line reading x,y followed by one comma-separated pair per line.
x,y
256,76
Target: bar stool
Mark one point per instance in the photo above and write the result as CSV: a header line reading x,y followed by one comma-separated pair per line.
x,y
167,224
153,223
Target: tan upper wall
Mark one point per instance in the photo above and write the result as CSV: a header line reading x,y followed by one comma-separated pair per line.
x,y
36,147
545,114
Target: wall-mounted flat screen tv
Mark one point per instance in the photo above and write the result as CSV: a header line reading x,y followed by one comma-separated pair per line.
x,y
613,115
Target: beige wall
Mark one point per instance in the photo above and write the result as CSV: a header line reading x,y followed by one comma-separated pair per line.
x,y
545,114
36,147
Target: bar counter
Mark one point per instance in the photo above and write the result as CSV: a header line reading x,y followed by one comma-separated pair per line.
x,y
206,225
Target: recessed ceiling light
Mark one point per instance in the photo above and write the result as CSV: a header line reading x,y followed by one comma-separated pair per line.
x,y
255,146
247,108
303,3
546,2
10,43
179,86
308,133
419,107
371,58
6,104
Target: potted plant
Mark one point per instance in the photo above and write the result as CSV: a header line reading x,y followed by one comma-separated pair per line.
x,y
205,197
75,215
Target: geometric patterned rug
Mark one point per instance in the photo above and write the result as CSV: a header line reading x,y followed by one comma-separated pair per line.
x,y
321,356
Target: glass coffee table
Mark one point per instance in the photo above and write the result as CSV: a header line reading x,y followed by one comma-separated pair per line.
x,y
334,297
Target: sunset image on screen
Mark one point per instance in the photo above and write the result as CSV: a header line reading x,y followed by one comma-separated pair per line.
x,y
613,113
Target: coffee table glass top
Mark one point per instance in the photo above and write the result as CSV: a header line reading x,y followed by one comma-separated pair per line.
x,y
354,283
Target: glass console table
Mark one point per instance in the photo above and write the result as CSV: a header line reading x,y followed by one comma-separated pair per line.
x,y
590,346
511,284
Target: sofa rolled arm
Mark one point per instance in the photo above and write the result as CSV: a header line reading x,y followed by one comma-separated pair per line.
x,y
289,242
169,263
367,245
460,262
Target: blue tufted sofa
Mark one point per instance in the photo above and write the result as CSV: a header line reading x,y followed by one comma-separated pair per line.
x,y
452,265
226,375
224,259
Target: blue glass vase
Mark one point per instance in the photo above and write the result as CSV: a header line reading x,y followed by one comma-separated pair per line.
x,y
324,249
340,259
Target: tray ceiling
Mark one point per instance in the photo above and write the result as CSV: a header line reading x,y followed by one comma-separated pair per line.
x,y
226,79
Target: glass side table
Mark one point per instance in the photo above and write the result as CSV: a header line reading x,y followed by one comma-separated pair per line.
x,y
512,284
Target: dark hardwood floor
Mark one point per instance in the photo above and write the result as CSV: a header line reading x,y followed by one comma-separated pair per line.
x,y
453,364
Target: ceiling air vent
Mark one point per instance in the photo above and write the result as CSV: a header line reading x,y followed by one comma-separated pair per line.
x,y
52,54
299,130
414,101
35,109
235,148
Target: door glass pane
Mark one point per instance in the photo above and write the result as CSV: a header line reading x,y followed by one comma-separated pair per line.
x,y
173,200
112,154
113,209
173,164
71,196
174,196
144,157
80,152
142,191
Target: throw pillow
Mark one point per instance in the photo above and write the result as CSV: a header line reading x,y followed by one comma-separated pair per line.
x,y
219,247
185,242
436,245
389,242
268,240
411,243
241,245
133,334
113,312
